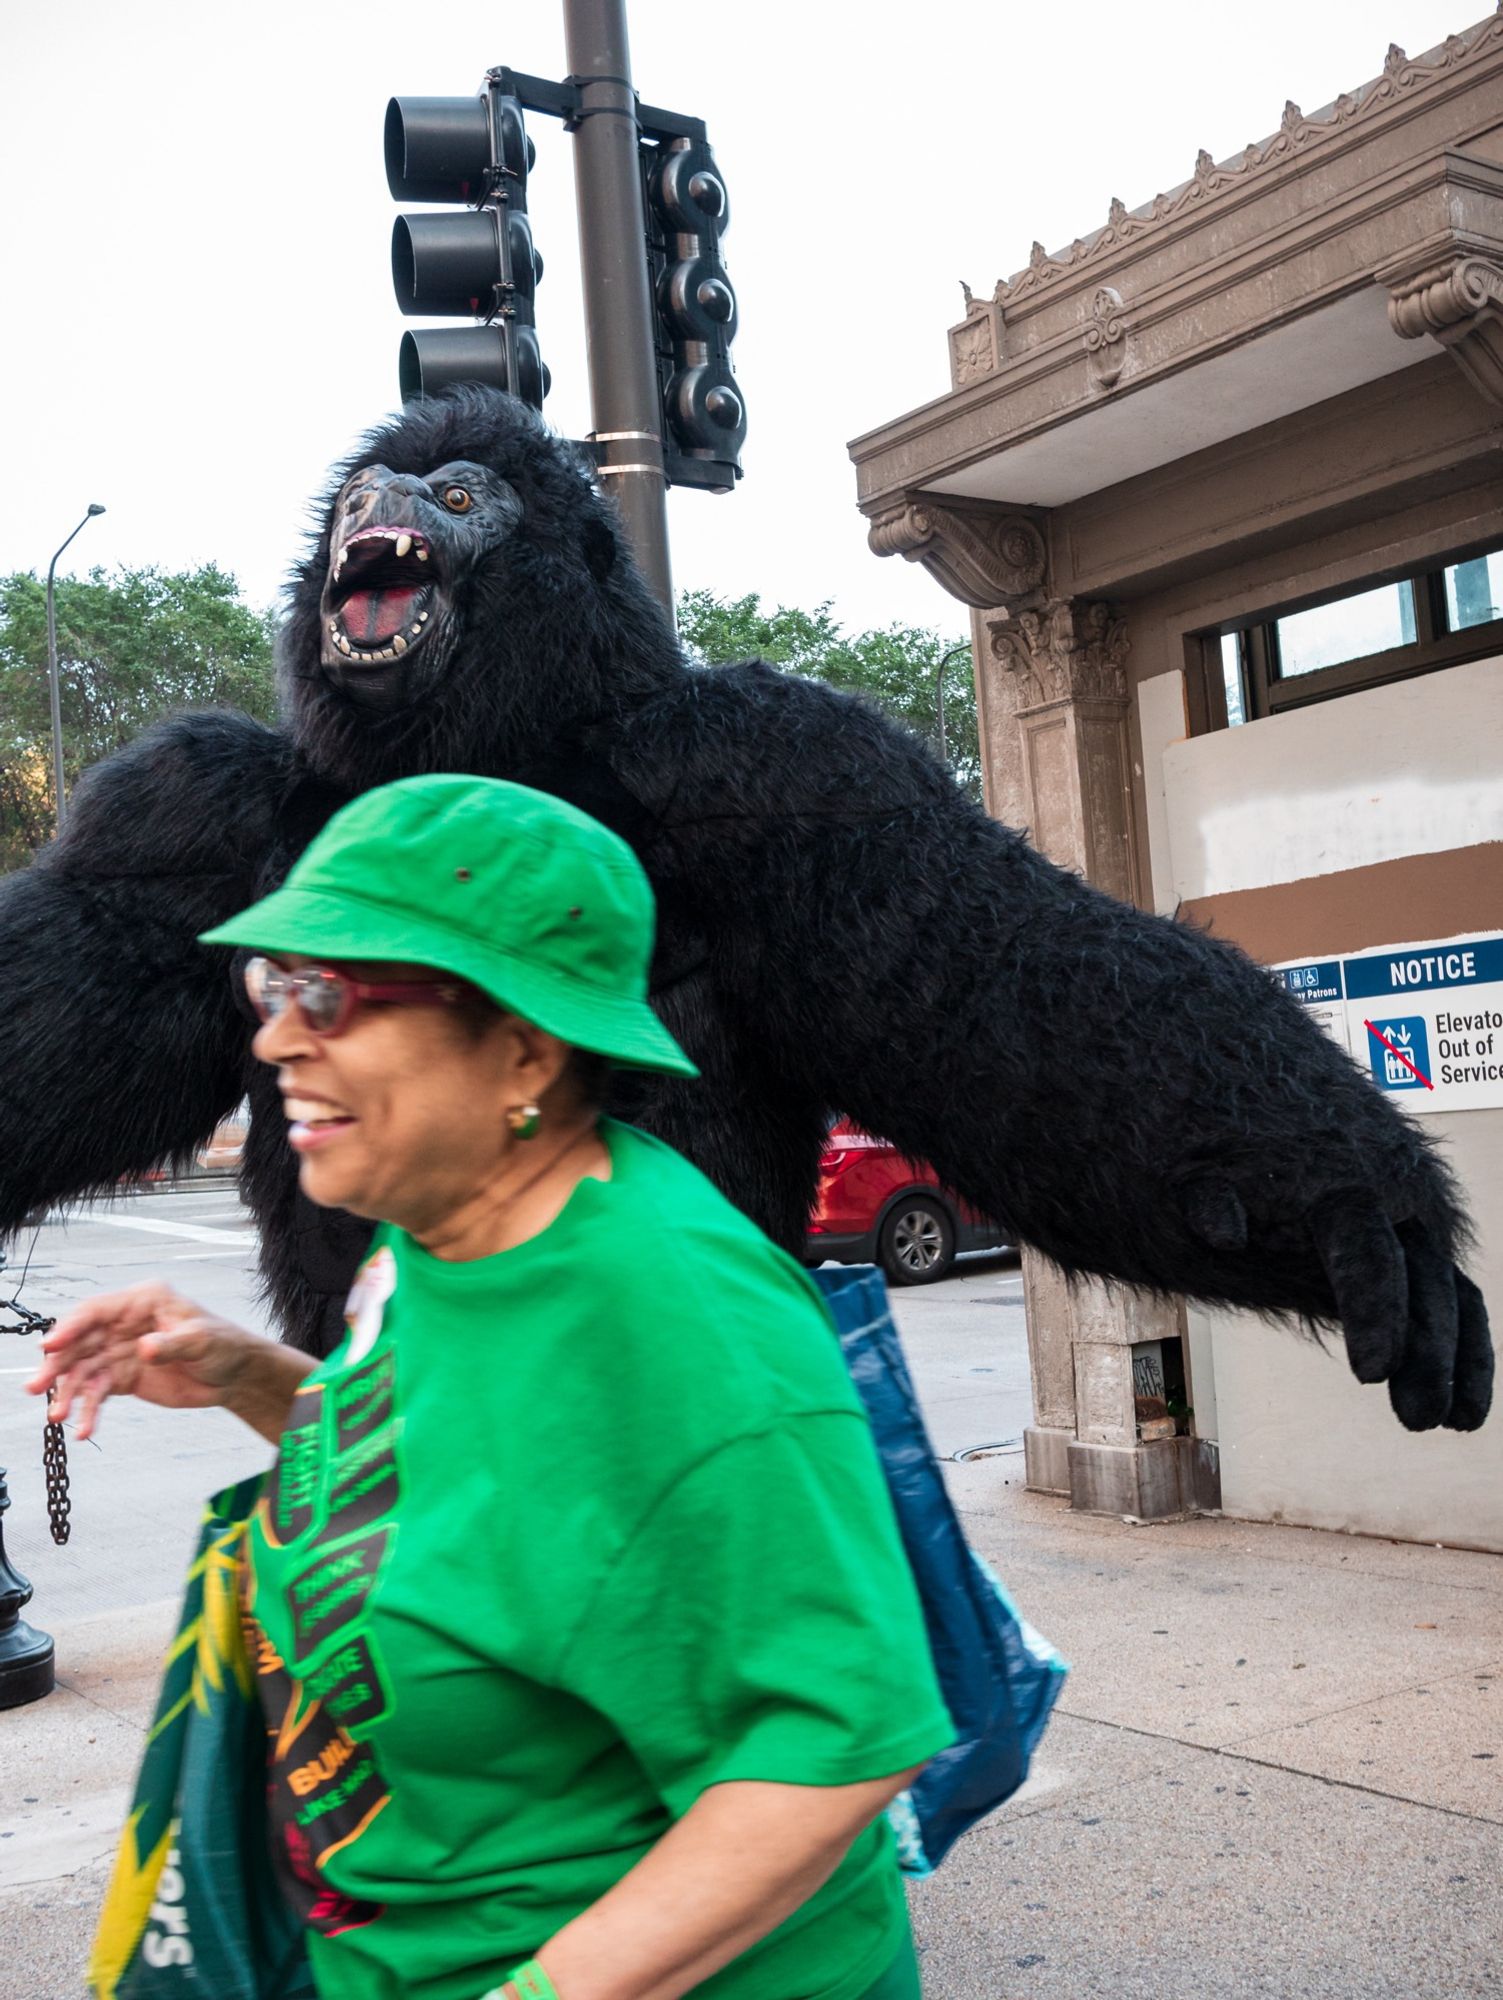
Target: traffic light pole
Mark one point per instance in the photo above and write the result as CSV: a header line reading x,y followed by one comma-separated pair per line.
x,y
618,309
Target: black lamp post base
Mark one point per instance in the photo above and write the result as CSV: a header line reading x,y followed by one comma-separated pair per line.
x,y
26,1668
26,1672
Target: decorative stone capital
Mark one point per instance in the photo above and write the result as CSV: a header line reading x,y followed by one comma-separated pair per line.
x,y
982,556
1064,651
1460,304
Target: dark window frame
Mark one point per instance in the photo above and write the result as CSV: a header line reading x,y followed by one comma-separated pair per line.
x,y
1265,692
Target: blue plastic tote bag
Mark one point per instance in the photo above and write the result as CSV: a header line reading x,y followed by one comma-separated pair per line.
x,y
998,1677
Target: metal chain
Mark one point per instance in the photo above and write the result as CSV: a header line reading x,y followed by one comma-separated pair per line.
x,y
54,1444
55,1465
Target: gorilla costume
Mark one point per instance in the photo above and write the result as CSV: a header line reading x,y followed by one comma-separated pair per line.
x,y
839,929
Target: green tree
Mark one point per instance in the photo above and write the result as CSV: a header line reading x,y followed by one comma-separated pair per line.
x,y
895,667
132,646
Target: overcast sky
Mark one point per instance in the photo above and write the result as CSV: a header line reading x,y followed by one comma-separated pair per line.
x,y
198,313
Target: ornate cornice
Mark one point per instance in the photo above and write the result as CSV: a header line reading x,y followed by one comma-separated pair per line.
x,y
1066,650
1403,76
981,555
1459,303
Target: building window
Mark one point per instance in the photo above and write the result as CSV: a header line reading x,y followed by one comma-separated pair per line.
x,y
1231,678
1474,591
1380,631
1372,621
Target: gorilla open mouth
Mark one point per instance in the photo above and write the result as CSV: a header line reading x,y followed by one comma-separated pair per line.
x,y
381,593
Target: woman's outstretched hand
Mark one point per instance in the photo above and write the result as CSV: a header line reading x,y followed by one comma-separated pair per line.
x,y
152,1343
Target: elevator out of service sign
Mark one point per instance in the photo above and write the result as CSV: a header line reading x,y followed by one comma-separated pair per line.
x,y
1424,1020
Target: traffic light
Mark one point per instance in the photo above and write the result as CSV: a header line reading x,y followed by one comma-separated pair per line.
x,y
479,263
695,313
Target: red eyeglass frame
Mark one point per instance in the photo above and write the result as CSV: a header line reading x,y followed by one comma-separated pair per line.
x,y
408,992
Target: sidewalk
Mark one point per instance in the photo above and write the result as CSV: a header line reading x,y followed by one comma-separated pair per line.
x,y
1276,1769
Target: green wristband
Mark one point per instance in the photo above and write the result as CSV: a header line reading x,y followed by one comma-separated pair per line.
x,y
532,1982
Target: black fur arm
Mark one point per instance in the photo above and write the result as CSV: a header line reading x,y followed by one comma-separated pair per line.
x,y
1132,1097
120,1041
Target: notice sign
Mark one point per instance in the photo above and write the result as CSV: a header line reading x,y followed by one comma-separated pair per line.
x,y
1424,1020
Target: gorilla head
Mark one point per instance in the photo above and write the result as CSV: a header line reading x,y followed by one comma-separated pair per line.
x,y
468,601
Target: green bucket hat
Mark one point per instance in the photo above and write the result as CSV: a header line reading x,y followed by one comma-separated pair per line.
x,y
540,906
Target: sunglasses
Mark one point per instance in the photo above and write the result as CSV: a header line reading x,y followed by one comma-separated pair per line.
x,y
327,999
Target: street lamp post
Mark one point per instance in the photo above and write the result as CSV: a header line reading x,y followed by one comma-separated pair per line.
x,y
57,705
939,690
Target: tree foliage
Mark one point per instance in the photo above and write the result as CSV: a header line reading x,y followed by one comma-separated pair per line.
x,y
132,646
896,667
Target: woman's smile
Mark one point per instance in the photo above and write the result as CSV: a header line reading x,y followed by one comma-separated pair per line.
x,y
313,1121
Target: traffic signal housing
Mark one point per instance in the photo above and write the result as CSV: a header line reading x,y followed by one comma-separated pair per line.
x,y
479,262
704,412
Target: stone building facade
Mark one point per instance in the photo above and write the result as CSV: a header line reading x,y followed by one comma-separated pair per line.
x,y
1222,483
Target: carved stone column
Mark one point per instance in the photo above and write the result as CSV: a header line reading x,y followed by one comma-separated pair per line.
x,y
1055,707
1066,662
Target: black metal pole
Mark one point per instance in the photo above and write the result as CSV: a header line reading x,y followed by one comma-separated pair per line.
x,y
939,691
26,1667
613,260
52,680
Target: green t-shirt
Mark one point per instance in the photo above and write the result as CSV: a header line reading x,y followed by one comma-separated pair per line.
x,y
557,1539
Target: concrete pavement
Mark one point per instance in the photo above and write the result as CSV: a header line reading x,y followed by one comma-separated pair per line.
x,y
1277,1768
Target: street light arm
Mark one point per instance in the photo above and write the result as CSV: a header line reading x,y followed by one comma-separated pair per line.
x,y
939,690
52,566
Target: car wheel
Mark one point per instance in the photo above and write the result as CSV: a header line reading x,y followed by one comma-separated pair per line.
x,y
917,1243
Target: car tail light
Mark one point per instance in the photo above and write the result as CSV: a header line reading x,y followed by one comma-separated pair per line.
x,y
842,1147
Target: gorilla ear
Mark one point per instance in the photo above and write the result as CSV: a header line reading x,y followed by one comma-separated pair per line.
x,y
600,547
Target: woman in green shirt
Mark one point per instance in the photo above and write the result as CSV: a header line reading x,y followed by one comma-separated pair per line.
x,y
588,1649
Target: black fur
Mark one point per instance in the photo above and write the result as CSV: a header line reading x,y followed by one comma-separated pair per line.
x,y
838,928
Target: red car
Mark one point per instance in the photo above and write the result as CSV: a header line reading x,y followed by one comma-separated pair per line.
x,y
873,1206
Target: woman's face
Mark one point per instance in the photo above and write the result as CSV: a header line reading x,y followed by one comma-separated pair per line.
x,y
403,1115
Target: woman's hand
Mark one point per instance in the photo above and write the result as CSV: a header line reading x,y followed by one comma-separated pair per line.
x,y
152,1343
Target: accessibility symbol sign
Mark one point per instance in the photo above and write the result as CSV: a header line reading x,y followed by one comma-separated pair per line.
x,y
1445,1049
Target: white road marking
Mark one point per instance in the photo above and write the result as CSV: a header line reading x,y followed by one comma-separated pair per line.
x,y
188,1232
201,1256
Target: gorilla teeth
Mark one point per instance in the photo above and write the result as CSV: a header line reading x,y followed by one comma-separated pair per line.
x,y
405,542
399,644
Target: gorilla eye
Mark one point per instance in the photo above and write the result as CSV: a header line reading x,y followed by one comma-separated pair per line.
x,y
457,500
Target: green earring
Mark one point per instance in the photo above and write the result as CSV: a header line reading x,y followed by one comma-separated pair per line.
x,y
525,1121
